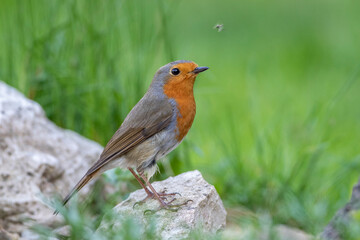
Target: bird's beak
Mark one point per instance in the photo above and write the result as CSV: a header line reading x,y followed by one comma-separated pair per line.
x,y
199,70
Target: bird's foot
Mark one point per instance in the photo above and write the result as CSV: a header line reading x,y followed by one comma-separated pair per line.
x,y
174,207
163,196
150,195
168,206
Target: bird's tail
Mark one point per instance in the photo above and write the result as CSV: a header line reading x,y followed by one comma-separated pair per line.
x,y
83,181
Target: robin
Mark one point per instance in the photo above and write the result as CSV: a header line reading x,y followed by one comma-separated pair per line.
x,y
154,127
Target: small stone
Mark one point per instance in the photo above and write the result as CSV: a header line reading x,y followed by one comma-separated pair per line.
x,y
204,208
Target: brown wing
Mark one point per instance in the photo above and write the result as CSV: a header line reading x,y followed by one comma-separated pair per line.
x,y
123,142
149,117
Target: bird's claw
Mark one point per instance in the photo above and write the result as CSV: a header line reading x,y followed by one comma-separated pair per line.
x,y
168,207
149,212
138,203
163,193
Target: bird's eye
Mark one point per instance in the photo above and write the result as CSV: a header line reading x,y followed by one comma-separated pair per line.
x,y
175,71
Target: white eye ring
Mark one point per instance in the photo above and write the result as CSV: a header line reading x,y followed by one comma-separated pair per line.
x,y
175,71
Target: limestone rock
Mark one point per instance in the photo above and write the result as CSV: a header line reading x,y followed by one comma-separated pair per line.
x,y
4,235
205,210
36,158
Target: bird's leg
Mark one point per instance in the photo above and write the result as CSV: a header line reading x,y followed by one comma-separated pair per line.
x,y
156,195
148,192
159,196
163,195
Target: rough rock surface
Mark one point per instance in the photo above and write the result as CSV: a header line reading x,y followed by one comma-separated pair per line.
x,y
36,158
205,210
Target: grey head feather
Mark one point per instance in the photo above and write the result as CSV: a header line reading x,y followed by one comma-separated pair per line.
x,y
163,74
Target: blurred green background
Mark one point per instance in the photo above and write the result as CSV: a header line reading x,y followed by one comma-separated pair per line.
x,y
278,117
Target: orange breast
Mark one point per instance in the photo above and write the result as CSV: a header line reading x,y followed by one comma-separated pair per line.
x,y
182,93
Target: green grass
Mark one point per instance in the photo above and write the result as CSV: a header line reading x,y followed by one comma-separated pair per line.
x,y
83,61
278,121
